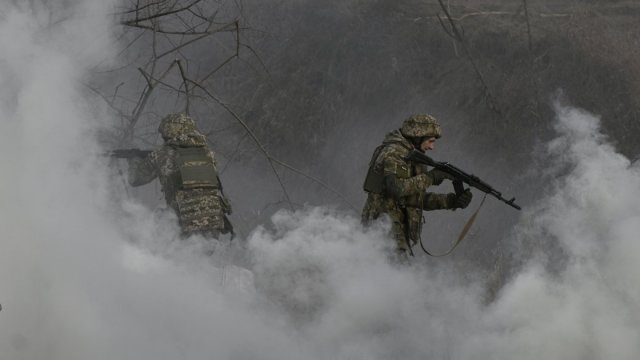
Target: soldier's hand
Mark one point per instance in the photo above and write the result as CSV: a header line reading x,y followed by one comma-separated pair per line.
x,y
437,176
460,201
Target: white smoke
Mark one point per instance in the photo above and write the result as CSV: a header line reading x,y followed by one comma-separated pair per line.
x,y
87,274
588,308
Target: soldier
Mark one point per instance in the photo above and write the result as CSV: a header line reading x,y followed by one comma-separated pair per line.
x,y
398,188
186,168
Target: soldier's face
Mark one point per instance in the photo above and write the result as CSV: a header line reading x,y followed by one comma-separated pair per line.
x,y
428,144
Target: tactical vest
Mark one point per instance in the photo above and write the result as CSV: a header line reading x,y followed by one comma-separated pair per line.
x,y
196,169
374,182
407,221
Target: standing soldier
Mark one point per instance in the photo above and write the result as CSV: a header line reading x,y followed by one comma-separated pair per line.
x,y
398,188
186,168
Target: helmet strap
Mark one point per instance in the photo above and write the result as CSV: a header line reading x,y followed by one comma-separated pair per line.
x,y
417,141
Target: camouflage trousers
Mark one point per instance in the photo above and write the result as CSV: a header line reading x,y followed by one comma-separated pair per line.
x,y
378,206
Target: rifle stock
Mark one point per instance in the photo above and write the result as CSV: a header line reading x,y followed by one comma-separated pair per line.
x,y
127,153
459,176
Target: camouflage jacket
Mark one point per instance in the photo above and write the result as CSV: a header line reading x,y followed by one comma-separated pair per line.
x,y
199,210
403,194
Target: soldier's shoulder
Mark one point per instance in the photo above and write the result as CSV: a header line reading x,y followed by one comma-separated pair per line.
x,y
395,150
162,154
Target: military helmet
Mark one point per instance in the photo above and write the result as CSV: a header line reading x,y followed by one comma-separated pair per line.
x,y
174,125
421,125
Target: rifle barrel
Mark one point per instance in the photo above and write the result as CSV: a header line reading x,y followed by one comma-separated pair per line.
x,y
128,153
459,174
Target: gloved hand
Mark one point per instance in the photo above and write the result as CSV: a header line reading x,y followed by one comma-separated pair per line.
x,y
437,176
459,201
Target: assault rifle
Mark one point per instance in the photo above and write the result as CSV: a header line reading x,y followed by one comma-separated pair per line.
x,y
459,176
127,153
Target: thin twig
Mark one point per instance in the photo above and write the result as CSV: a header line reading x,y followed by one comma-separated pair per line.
x,y
537,112
138,8
456,34
526,15
159,14
109,102
186,85
151,84
228,60
270,159
489,13
317,181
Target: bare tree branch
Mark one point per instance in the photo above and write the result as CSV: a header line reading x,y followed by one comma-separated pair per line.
x,y
490,13
174,26
146,94
158,14
324,185
455,33
186,85
526,15
253,136
108,101
138,8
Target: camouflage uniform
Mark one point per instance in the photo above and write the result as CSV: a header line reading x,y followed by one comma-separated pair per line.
x,y
186,168
397,187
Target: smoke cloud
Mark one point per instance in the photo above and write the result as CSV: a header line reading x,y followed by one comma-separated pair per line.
x,y
88,273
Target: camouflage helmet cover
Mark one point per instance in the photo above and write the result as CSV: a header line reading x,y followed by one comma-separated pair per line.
x,y
421,125
174,125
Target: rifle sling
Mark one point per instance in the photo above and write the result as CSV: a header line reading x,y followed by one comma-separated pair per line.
x,y
462,235
406,231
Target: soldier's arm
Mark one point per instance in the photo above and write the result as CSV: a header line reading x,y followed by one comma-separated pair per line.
x,y
397,180
143,171
433,201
